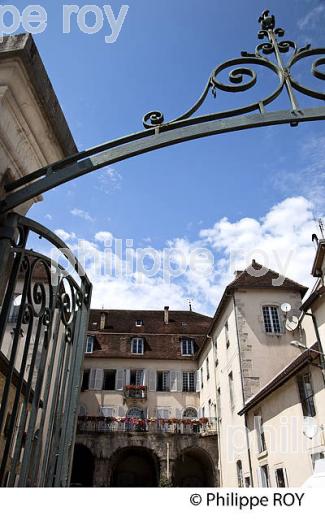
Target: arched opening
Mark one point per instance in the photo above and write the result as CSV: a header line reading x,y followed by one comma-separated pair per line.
x,y
193,468
83,467
190,413
134,467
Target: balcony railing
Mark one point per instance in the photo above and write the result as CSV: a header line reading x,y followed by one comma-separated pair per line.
x,y
135,392
132,424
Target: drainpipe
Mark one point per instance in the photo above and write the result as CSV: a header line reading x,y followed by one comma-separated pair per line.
x,y
217,419
243,395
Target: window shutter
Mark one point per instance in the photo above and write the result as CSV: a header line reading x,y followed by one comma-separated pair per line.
x,y
119,379
127,376
179,381
198,380
121,411
145,377
152,381
173,381
200,413
178,413
92,377
99,379
258,472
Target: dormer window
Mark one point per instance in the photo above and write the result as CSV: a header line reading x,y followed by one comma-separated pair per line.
x,y
139,323
187,347
137,346
90,345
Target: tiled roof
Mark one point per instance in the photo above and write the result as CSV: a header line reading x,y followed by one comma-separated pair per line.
x,y
256,276
162,341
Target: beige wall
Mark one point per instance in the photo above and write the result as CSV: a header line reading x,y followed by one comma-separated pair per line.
x,y
176,402
287,446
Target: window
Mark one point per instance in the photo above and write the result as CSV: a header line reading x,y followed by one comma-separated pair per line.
x,y
137,346
187,346
227,334
136,377
306,395
85,380
265,480
207,367
188,382
139,323
190,412
317,456
201,377
239,468
272,323
231,390
247,482
109,380
219,402
90,345
82,411
107,411
280,477
163,382
258,423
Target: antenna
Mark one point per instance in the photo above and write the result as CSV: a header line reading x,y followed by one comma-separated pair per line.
x,y
321,226
190,305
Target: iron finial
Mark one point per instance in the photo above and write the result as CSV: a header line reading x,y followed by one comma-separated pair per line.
x,y
267,21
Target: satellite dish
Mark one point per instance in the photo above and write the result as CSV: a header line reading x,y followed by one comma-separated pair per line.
x,y
286,307
310,428
292,323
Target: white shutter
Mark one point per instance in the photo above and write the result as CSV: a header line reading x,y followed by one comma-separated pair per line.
x,y
127,376
92,377
119,379
99,379
121,411
107,411
145,377
198,380
179,376
178,413
152,381
200,413
142,377
173,381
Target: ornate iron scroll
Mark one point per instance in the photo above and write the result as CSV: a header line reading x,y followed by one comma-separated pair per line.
x,y
43,321
242,77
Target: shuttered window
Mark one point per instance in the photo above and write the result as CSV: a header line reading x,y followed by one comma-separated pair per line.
x,y
137,346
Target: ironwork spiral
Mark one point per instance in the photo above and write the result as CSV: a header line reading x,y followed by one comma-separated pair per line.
x,y
243,77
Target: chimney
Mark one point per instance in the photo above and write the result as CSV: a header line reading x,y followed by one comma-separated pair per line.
x,y
237,273
166,317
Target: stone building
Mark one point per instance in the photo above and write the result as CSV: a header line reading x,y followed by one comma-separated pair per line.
x,y
140,419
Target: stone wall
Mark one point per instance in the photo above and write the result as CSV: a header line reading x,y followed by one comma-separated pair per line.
x,y
105,446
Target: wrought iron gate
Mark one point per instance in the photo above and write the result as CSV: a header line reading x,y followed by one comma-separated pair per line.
x,y
43,322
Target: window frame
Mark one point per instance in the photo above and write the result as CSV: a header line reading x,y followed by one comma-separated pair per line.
x,y
92,338
307,401
137,341
265,472
186,381
285,480
165,381
269,320
189,351
260,434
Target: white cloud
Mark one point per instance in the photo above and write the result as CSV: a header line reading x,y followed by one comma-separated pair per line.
x,y
76,212
281,240
104,236
109,180
48,216
312,17
65,235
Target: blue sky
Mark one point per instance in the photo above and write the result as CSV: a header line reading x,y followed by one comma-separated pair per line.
x,y
232,193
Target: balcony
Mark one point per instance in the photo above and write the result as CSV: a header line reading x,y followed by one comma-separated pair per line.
x,y
135,392
150,426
